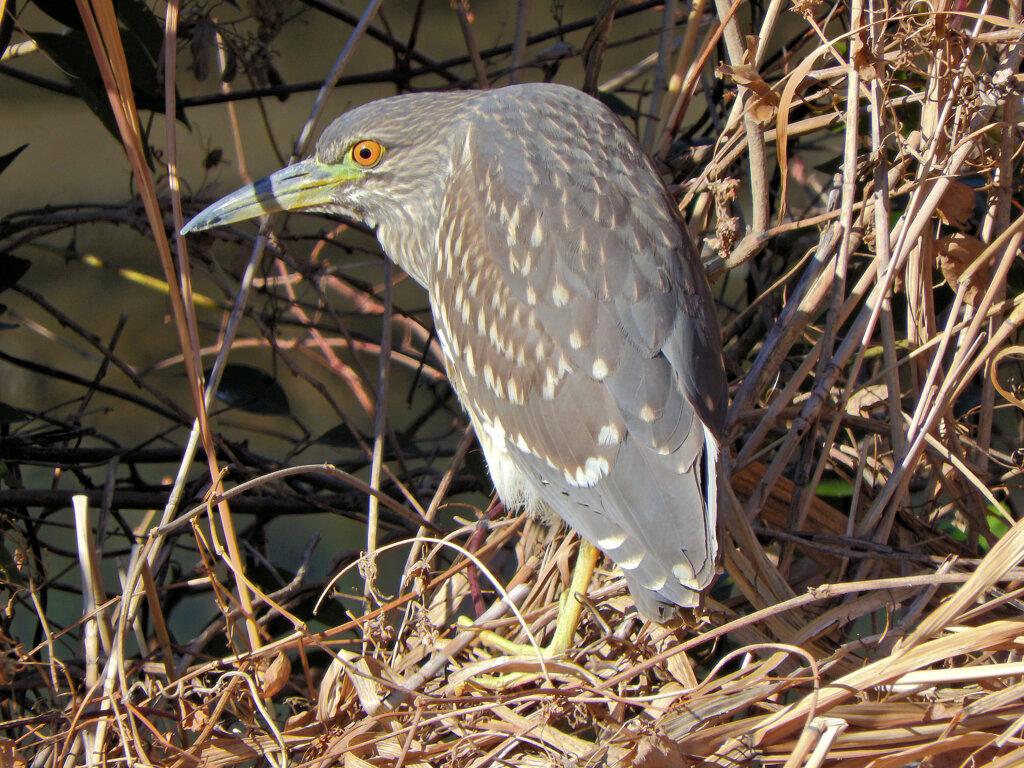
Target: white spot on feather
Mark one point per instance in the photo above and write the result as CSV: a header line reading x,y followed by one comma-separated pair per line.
x,y
513,220
609,435
493,383
550,382
599,370
684,573
559,294
513,392
537,235
631,563
656,584
612,541
596,468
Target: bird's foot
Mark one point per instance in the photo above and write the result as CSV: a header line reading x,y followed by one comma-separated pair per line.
x,y
539,658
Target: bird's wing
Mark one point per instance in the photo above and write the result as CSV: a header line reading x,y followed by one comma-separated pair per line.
x,y
583,341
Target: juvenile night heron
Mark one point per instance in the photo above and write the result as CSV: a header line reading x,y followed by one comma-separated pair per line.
x,y
576,321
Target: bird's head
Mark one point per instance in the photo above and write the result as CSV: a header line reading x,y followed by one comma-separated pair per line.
x,y
384,163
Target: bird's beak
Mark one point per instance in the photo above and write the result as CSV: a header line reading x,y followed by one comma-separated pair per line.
x,y
303,185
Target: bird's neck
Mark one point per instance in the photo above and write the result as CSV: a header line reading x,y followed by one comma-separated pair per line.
x,y
409,240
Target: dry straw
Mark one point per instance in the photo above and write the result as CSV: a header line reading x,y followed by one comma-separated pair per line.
x,y
852,171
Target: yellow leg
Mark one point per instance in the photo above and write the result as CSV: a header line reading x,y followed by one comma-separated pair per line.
x,y
570,608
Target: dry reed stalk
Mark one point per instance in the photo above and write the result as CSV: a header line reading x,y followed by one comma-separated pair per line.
x,y
870,611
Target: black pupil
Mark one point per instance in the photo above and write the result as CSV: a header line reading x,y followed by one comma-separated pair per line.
x,y
365,153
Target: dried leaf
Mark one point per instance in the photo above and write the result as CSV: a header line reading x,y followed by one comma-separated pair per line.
x,y
866,64
300,720
335,688
351,761
202,45
7,756
273,679
955,254
538,729
446,598
762,107
792,84
194,718
658,752
867,399
957,204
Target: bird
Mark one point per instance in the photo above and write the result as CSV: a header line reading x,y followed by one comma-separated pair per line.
x,y
576,321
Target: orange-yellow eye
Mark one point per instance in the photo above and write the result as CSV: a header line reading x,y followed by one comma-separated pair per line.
x,y
367,153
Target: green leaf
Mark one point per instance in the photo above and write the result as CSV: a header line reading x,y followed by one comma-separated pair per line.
x,y
834,487
12,269
252,390
955,532
996,520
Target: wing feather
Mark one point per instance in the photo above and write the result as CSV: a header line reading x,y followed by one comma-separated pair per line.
x,y
601,386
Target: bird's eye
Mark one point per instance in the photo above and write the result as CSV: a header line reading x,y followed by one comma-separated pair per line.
x,y
367,153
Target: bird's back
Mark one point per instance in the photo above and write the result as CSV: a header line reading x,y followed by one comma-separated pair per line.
x,y
581,333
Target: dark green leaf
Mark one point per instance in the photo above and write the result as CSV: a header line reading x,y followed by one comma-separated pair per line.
x,y
832,166
339,437
71,52
138,21
252,390
12,269
9,414
406,444
64,11
616,105
7,159
6,26
6,326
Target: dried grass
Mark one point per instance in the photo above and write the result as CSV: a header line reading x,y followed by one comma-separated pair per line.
x,y
870,611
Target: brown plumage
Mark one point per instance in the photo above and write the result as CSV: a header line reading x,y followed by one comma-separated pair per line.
x,y
577,325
